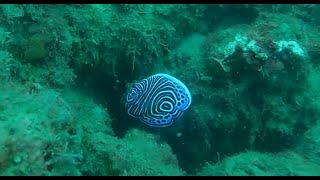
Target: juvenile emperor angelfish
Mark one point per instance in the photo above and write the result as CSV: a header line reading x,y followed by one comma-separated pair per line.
x,y
158,100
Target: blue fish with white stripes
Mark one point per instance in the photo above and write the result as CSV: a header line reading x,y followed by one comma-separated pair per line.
x,y
158,100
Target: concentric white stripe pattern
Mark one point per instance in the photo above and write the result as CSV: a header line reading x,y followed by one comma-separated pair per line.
x,y
158,100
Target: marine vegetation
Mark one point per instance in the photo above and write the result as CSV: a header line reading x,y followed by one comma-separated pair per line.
x,y
165,89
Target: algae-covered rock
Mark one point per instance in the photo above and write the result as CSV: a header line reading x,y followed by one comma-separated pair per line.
x,y
262,164
309,145
138,153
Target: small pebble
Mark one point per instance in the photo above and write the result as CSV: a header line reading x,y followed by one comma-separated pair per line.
x,y
17,159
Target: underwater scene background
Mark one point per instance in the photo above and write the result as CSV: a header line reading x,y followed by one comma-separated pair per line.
x,y
66,72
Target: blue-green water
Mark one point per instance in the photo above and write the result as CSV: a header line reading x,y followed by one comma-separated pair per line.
x,y
252,72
